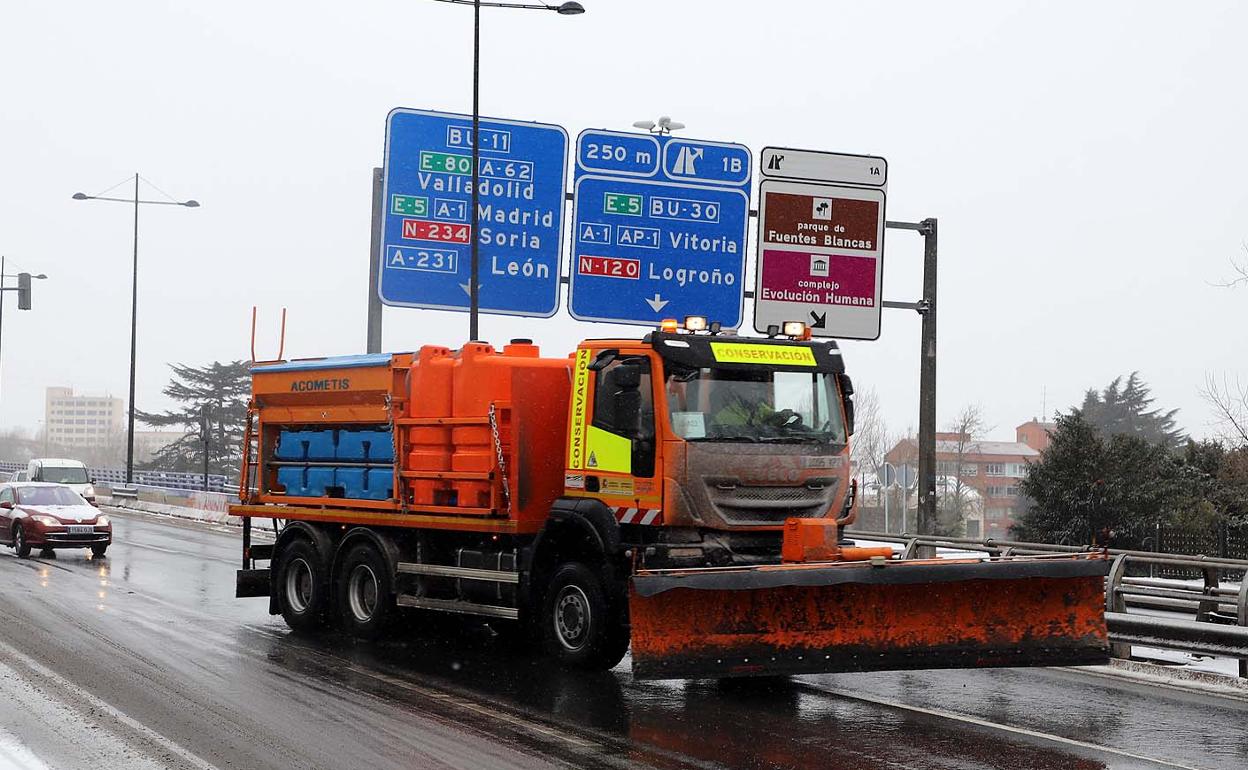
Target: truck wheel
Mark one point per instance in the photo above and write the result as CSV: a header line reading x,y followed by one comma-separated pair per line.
x,y
98,551
301,588
580,631
365,594
19,542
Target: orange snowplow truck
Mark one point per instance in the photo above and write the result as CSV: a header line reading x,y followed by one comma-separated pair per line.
x,y
684,492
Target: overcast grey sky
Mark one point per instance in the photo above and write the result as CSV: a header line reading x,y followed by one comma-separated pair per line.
x,y
1087,162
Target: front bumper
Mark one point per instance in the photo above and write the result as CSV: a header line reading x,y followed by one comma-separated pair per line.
x,y
62,539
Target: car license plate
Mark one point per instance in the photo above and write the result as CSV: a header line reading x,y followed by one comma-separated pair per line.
x,y
81,529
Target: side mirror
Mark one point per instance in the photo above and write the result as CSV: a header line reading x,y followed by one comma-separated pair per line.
x,y
6,504
847,393
92,480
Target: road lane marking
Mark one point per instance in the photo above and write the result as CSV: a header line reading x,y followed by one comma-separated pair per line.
x,y
104,707
942,714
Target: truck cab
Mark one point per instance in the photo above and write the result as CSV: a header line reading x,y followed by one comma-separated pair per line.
x,y
702,446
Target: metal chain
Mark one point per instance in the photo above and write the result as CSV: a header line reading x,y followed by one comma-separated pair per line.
x,y
502,463
399,490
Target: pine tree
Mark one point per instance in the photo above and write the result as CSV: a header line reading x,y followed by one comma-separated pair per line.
x,y
219,391
1125,410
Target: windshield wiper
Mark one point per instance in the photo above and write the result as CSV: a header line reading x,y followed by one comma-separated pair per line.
x,y
747,439
792,439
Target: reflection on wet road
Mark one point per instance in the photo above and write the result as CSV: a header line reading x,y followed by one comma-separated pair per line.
x,y
153,632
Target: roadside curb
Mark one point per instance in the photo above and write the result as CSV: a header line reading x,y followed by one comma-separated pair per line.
x,y
1174,677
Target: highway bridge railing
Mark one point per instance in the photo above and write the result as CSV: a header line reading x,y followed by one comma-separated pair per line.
x,y
1216,601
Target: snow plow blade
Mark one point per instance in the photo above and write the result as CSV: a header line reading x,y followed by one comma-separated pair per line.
x,y
860,616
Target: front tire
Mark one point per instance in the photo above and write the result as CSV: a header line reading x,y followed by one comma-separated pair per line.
x,y
19,541
365,593
301,588
579,628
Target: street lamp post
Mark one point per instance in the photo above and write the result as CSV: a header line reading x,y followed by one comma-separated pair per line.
x,y
564,9
134,302
3,289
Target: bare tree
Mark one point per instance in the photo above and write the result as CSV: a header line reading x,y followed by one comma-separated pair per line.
x,y
1240,269
959,497
1229,400
871,437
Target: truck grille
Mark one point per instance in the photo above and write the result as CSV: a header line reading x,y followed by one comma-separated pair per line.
x,y
770,504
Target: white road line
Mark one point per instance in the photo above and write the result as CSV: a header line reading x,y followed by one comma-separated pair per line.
x,y
105,708
998,726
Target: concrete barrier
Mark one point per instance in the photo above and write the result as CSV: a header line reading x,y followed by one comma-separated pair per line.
x,y
184,504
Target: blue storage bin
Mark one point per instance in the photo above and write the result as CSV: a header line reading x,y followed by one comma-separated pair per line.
x,y
371,445
352,482
290,446
291,477
321,444
379,482
319,481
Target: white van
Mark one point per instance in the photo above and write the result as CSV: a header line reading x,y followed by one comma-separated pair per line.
x,y
71,473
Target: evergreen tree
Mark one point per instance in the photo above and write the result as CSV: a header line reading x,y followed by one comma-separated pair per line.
x,y
1125,410
220,391
1085,484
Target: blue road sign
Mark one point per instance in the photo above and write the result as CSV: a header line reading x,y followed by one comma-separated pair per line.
x,y
659,229
427,232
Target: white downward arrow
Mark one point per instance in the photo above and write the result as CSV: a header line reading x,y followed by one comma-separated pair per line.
x,y
468,289
658,303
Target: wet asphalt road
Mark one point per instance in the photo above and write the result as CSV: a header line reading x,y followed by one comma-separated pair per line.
x,y
144,659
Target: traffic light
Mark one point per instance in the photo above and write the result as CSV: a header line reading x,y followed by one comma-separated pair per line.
x,y
23,291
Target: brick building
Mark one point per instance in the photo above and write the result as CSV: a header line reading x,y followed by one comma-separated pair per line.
x,y
992,468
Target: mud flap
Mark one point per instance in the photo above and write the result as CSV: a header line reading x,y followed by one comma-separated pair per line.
x,y
251,582
816,618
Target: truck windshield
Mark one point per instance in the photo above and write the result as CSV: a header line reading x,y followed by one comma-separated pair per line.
x,y
54,475
755,405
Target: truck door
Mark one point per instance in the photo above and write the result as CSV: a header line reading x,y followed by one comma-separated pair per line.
x,y
612,444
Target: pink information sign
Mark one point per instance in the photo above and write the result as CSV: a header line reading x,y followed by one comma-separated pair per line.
x,y
817,279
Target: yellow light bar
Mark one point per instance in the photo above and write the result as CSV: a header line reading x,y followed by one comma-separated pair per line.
x,y
669,325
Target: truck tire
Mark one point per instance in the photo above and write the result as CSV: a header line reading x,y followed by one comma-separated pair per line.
x,y
300,585
19,541
365,592
579,628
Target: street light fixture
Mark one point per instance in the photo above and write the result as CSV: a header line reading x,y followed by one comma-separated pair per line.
x,y
474,284
134,301
3,289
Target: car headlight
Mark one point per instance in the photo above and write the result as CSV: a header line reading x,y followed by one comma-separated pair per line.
x,y
47,521
101,521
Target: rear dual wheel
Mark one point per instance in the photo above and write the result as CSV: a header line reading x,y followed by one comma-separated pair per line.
x,y
301,587
365,592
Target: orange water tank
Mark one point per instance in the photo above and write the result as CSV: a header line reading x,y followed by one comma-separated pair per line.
x,y
430,445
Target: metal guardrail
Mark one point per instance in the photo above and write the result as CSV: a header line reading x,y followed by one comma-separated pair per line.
x,y
1219,625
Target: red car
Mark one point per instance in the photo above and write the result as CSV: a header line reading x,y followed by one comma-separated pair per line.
x,y
47,516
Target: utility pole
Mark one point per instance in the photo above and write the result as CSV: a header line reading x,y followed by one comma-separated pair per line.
x,y
205,428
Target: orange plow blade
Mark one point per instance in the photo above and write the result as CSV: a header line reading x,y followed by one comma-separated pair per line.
x,y
857,616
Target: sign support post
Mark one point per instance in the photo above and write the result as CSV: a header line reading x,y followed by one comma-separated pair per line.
x,y
925,523
373,343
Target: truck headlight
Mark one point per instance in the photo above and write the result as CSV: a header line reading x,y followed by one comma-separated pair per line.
x,y
47,521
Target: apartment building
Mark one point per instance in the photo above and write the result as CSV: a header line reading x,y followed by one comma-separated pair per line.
x,y
82,421
992,468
